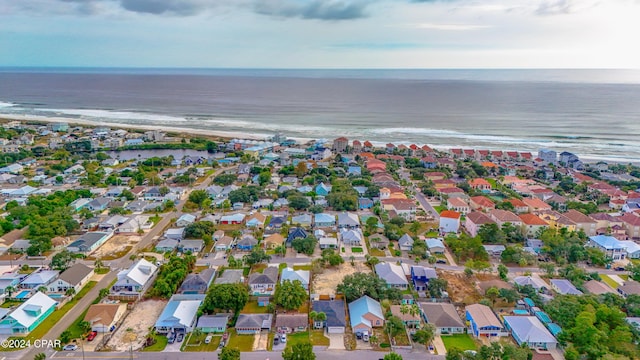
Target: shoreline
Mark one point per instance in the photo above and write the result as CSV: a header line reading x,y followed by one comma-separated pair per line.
x,y
228,135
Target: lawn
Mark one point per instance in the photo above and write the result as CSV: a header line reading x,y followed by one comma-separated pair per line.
x,y
9,303
440,208
302,267
161,343
55,316
199,269
252,308
356,249
299,338
460,341
196,343
244,343
376,252
432,234
318,338
609,281
74,329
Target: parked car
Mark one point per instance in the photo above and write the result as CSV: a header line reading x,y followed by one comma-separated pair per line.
x,y
92,335
172,338
359,336
180,337
207,340
619,268
441,261
70,347
365,337
283,338
276,340
221,344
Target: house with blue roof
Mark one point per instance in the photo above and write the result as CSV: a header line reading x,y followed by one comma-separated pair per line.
x,y
322,189
365,203
28,315
365,313
354,170
300,275
302,220
296,233
564,287
324,220
435,246
180,314
609,245
421,275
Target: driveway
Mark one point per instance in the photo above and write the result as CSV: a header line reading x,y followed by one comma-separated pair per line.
x,y
439,345
175,347
336,342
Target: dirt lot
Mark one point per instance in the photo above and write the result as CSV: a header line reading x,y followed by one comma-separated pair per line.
x,y
326,283
116,244
461,288
138,322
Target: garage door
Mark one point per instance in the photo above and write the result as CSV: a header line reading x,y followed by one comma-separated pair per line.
x,y
335,330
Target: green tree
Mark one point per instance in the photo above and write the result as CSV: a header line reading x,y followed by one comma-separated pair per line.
x,y
256,256
393,326
224,179
70,291
392,356
65,336
103,293
502,272
299,351
425,335
436,287
40,356
305,245
85,326
62,260
492,294
225,297
290,294
229,353
318,316
298,202
198,197
491,234
359,284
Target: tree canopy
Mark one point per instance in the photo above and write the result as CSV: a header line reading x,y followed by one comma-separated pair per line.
x,y
290,294
359,284
225,297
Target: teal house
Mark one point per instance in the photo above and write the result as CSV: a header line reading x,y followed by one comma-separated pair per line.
x,y
28,316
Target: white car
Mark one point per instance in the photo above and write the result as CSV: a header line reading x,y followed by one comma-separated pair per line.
x,y
283,338
70,347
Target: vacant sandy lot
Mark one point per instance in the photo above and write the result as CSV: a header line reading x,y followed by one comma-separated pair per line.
x,y
139,321
326,283
461,289
115,244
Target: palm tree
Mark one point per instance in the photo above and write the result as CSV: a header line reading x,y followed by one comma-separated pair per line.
x,y
317,317
98,264
42,289
404,309
70,291
352,259
10,290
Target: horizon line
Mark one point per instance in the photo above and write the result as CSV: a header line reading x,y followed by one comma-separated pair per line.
x,y
308,68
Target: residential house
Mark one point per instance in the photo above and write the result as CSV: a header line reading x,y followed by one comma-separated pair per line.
x,y
405,243
234,219
564,287
536,204
392,274
133,281
378,241
74,278
518,205
411,321
291,323
197,283
443,316
256,220
609,245
193,246
185,220
482,203
326,242
352,237
275,224
334,311
528,330
458,205
365,313
273,241
596,287
28,315
348,220
216,324
302,220
474,222
175,233
249,324
98,204
533,281
533,224
264,283
135,224
166,245
224,243
180,314
420,277
39,278
324,220
435,246
449,221
582,221
502,217
402,207
483,322
629,288
631,224
230,276
303,276
480,184
104,317
322,189
246,243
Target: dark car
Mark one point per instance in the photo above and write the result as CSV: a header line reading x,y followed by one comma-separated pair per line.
x,y
180,337
619,268
172,338
276,340
92,335
441,261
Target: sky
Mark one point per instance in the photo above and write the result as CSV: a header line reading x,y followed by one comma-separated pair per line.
x,y
321,33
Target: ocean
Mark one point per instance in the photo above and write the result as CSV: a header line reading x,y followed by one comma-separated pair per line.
x,y
593,113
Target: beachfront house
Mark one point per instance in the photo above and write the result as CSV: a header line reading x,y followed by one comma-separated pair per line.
x,y
28,315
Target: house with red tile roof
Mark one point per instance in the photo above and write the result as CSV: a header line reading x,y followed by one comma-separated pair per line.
x,y
631,223
457,153
497,155
449,222
435,176
583,222
474,220
481,203
367,146
447,163
489,165
340,144
502,217
357,146
444,183
402,207
367,155
376,165
532,224
469,153
390,147
604,222
526,155
479,184
536,204
458,205
513,155
452,192
483,154
518,206
426,149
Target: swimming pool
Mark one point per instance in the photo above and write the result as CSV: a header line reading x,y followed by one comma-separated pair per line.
x,y
23,294
56,296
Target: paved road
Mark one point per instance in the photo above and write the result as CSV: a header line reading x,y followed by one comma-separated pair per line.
x,y
258,355
427,207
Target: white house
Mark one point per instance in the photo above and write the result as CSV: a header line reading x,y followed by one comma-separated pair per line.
x,y
74,278
135,280
449,222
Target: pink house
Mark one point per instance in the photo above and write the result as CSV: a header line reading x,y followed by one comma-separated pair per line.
x,y
475,220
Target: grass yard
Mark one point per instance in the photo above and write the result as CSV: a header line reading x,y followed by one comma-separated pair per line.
x,y
298,338
9,303
161,343
356,249
196,343
102,270
376,252
432,234
460,341
244,343
440,208
609,281
55,316
318,338
76,331
402,339
252,308
302,267
199,269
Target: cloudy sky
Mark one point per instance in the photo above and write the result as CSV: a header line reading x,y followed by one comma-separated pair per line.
x,y
321,33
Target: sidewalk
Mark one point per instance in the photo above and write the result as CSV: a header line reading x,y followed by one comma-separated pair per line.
x,y
439,345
